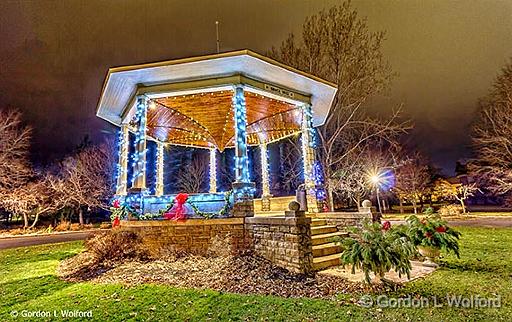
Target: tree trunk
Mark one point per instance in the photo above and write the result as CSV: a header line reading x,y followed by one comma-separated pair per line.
x,y
401,205
35,221
25,220
414,206
81,216
463,207
330,197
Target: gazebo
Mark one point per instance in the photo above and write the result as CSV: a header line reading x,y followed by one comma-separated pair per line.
x,y
215,102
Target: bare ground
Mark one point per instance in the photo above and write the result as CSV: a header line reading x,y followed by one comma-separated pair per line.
x,y
244,274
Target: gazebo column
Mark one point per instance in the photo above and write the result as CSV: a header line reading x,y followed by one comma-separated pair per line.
x,y
213,170
243,188
138,160
159,184
139,157
308,155
122,165
265,181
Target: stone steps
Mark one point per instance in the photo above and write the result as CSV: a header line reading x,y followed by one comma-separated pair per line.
x,y
318,222
326,252
326,238
326,249
320,230
324,262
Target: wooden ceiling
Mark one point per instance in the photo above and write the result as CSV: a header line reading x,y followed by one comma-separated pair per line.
x,y
206,119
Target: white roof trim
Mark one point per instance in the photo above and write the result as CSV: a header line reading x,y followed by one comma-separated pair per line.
x,y
121,83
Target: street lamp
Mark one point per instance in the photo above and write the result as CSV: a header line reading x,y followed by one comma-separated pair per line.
x,y
376,180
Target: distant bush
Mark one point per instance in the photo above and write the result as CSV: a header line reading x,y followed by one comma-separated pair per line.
x,y
17,231
63,226
450,210
75,227
116,245
105,225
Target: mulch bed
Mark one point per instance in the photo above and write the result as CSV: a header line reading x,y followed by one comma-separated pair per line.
x,y
242,274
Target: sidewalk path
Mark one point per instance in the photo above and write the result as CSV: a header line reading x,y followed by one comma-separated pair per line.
x,y
20,241
475,222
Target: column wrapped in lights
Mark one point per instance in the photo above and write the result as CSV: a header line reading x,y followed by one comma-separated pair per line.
x,y
241,158
122,164
308,155
139,156
213,170
265,180
243,188
159,184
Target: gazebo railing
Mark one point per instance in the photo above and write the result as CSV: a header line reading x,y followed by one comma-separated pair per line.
x,y
211,203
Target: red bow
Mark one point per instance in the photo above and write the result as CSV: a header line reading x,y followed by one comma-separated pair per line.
x,y
178,211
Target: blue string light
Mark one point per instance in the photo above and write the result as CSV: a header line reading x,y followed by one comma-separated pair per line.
x,y
319,181
241,158
139,157
122,146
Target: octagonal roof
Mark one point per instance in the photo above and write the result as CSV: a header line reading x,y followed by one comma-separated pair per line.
x,y
198,74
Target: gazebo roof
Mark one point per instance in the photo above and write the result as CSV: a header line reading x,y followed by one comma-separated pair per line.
x,y
192,98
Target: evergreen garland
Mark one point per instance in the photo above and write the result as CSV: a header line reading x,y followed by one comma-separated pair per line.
x,y
206,215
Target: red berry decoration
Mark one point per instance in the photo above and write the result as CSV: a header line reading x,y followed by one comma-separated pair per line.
x,y
441,229
116,222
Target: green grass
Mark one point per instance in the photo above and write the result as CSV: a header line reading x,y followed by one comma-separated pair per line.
x,y
28,282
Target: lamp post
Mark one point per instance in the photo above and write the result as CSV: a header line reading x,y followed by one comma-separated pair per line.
x,y
376,179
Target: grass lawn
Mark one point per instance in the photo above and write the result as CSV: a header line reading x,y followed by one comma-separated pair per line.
x,y
28,282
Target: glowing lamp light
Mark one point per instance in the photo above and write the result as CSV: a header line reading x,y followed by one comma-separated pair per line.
x,y
375,179
382,178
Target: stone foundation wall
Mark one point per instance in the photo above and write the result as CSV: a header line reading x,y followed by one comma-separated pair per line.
x,y
192,236
276,203
285,241
343,220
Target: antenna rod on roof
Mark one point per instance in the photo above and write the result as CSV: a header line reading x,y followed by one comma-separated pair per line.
x,y
217,32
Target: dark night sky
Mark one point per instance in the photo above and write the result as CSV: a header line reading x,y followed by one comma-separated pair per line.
x,y
54,56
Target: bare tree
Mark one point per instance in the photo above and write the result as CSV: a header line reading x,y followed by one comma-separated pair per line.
x,y
15,169
41,196
464,191
338,46
291,161
352,179
88,178
492,136
191,178
413,180
459,192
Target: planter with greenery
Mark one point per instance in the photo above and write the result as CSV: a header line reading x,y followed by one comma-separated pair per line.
x,y
377,248
432,234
